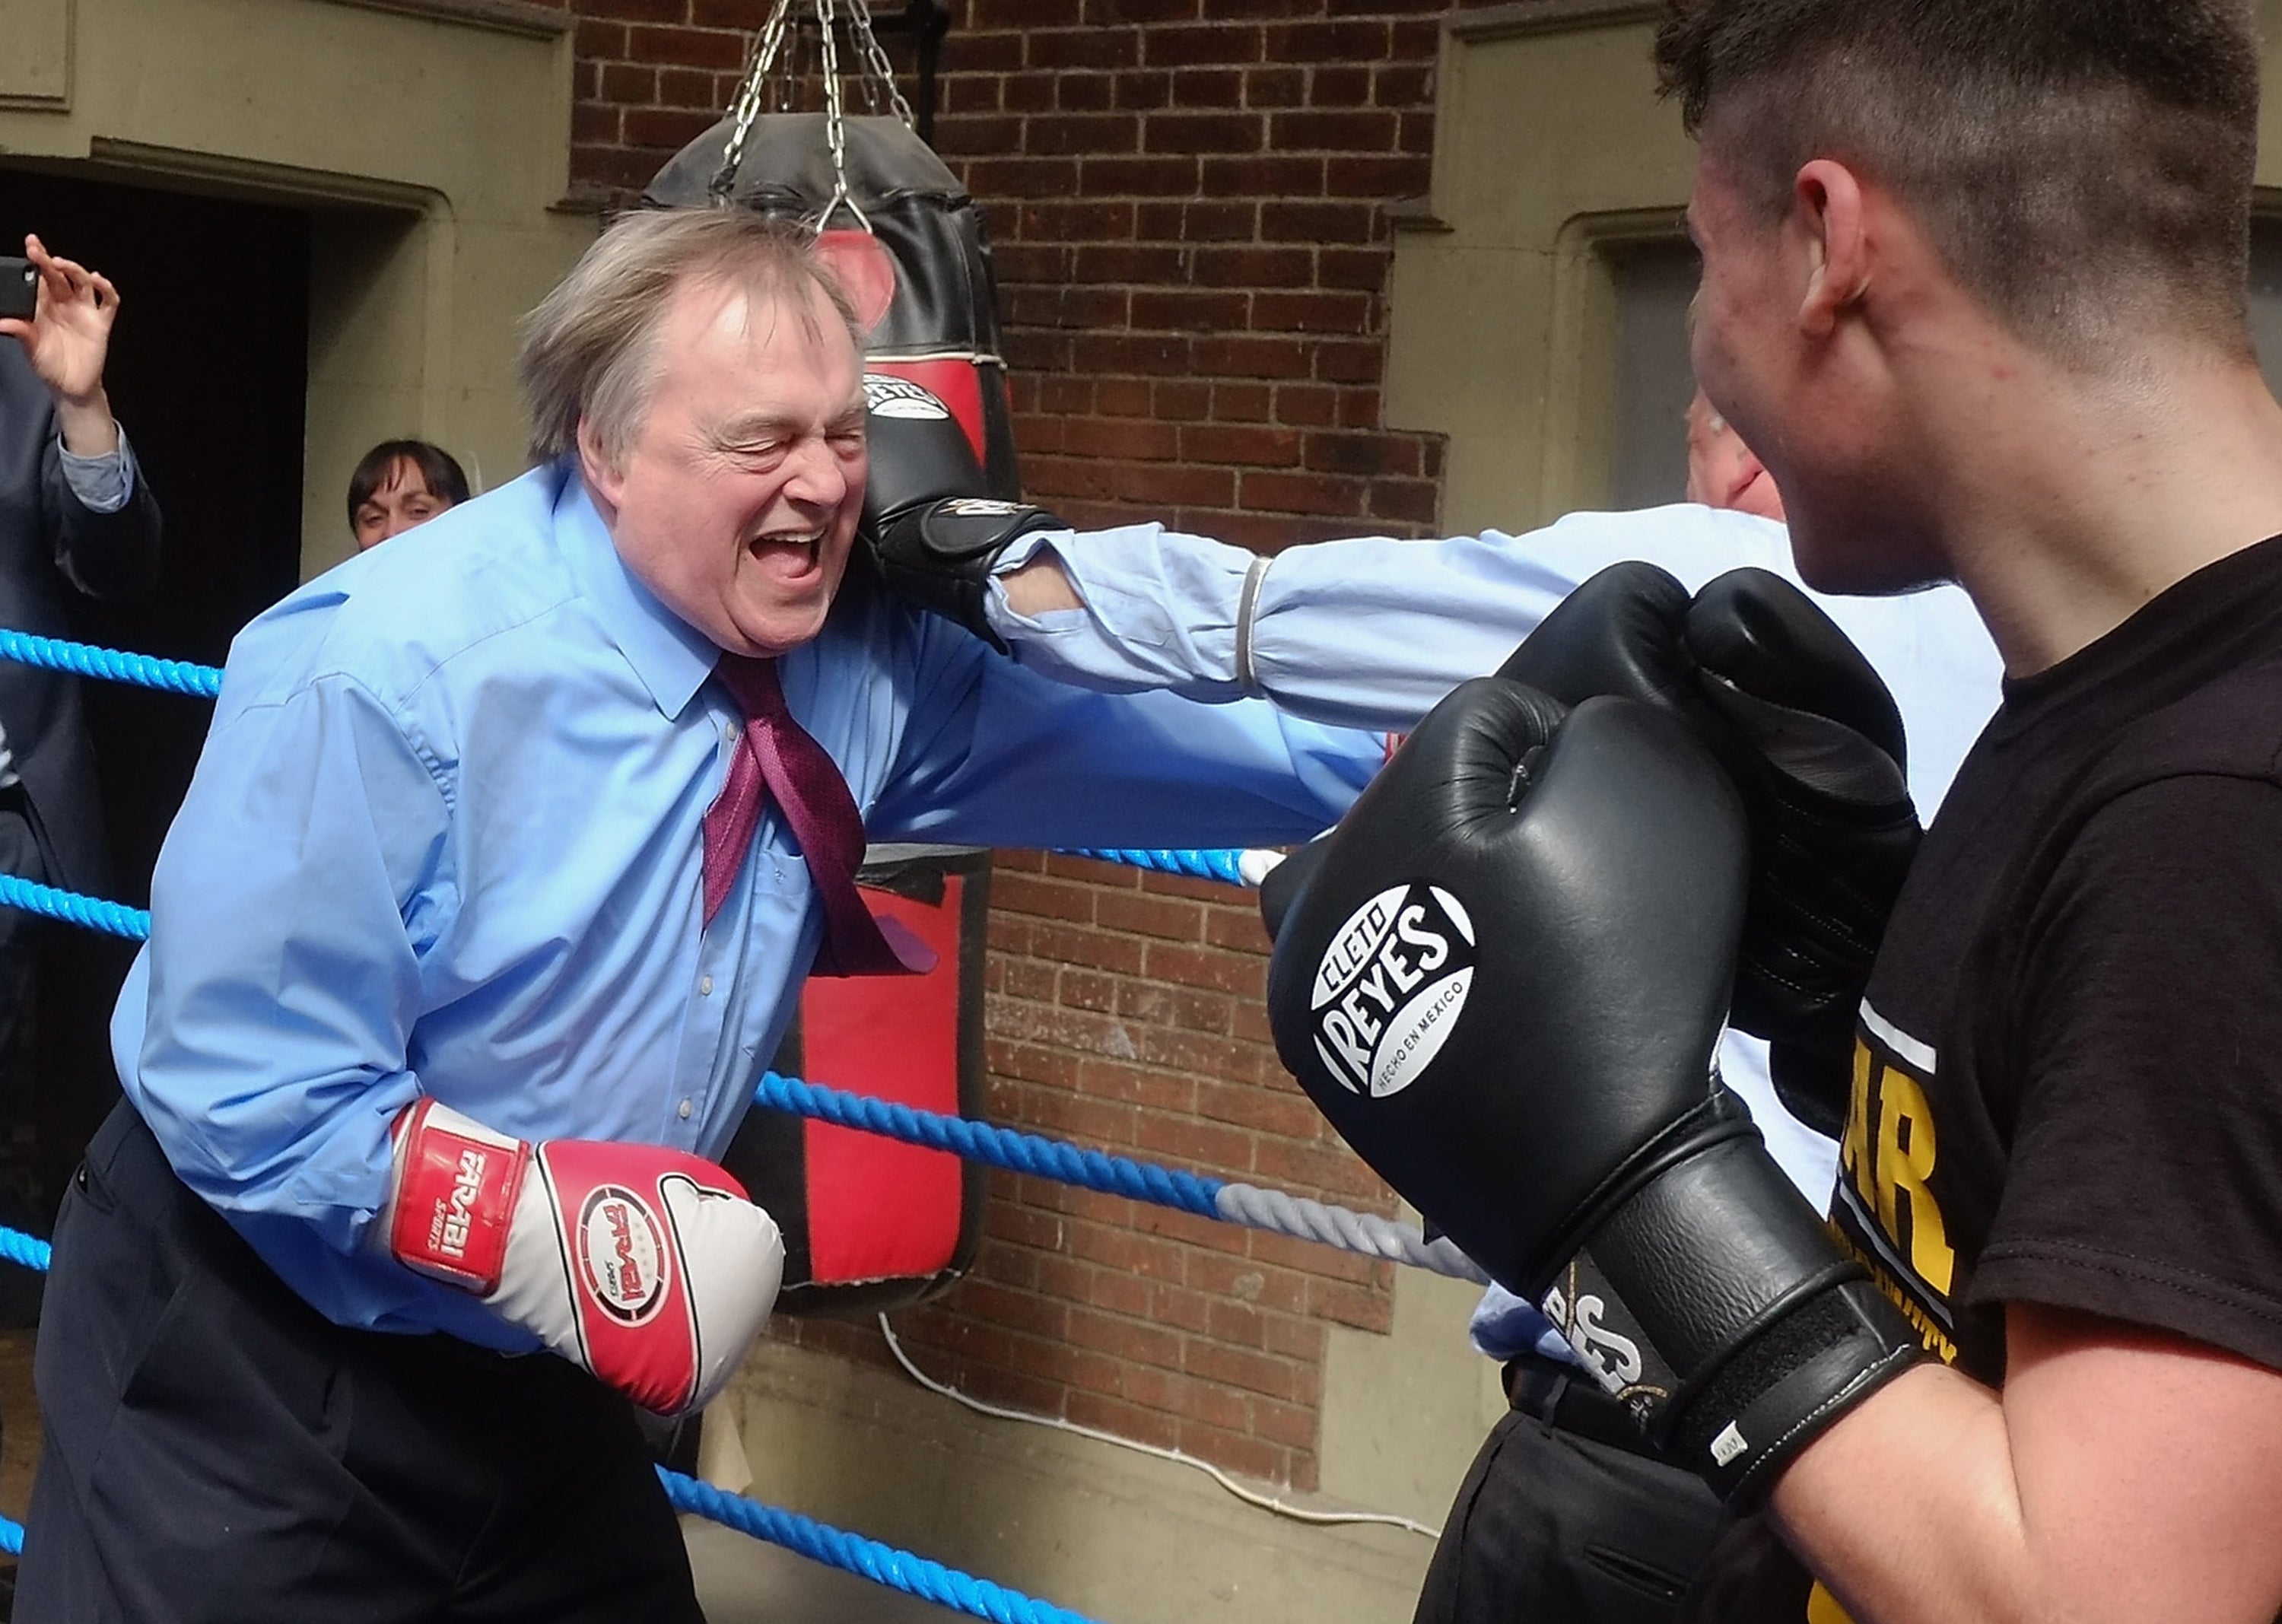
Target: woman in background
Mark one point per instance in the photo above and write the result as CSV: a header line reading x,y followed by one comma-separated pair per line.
x,y
402,482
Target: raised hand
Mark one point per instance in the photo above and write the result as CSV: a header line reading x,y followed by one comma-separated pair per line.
x,y
67,341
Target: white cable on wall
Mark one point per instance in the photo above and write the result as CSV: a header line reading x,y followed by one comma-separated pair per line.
x,y
1248,1495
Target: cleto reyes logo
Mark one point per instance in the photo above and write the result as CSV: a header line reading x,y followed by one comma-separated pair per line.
x,y
894,397
1391,987
622,1255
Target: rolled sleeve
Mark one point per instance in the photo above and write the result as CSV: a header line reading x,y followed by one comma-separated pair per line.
x,y
1161,612
998,755
1369,632
103,483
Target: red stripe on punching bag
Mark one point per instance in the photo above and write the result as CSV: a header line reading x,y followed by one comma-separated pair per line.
x,y
957,382
878,1209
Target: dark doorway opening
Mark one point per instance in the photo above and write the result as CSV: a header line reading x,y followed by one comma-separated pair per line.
x,y
208,373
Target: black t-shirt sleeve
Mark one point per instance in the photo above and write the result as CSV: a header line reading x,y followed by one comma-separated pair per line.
x,y
2144,1179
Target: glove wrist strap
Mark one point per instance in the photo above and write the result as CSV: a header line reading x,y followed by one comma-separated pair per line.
x,y
1712,1301
1780,1392
940,556
454,1187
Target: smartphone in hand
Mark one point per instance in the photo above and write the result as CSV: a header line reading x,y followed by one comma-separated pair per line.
x,y
19,288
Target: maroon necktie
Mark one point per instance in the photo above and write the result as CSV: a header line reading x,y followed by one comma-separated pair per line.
x,y
776,757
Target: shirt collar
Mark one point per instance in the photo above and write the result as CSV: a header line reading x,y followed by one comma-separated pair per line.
x,y
672,657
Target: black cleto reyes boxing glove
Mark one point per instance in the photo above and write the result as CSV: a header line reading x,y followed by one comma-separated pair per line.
x,y
931,532
1812,741
1504,984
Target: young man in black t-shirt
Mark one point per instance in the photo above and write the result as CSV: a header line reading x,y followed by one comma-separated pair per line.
x,y
1974,287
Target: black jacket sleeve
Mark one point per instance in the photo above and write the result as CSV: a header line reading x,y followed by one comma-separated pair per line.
x,y
103,555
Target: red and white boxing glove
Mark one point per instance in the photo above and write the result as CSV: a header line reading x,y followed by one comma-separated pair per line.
x,y
647,1266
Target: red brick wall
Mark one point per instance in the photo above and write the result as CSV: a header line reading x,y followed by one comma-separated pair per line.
x,y
1194,252
1188,199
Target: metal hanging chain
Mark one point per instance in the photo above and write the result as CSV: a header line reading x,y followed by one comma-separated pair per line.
x,y
880,71
835,121
789,68
867,80
773,67
766,49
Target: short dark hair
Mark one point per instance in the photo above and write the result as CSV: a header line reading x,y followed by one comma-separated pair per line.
x,y
440,471
2066,157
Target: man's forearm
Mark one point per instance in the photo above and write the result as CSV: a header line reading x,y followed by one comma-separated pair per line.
x,y
88,427
1040,587
1369,632
107,538
1907,1508
2123,1477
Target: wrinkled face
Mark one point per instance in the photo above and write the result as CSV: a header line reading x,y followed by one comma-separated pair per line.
x,y
1723,472
402,500
737,502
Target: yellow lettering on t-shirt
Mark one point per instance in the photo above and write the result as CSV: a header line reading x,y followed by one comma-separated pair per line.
x,y
1886,1159
1906,1156
1854,1149
1823,1607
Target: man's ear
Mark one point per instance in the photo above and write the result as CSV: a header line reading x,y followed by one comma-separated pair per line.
x,y
1826,210
603,477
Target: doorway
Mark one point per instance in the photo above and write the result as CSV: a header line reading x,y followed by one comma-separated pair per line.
x,y
208,373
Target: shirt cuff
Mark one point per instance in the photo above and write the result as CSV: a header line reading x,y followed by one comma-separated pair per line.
x,y
103,483
1160,611
1505,1326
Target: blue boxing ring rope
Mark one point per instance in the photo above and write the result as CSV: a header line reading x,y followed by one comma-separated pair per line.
x,y
1251,1206
112,664
1224,1201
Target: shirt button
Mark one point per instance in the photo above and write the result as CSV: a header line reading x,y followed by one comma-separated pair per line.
x,y
684,1110
705,986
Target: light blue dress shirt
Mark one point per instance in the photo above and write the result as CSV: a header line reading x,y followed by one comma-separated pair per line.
x,y
103,483
1372,632
445,838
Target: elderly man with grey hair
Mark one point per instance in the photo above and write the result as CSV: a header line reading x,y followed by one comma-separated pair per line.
x,y
512,844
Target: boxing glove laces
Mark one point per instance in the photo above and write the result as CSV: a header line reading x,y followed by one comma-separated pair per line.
x,y
1504,984
646,1266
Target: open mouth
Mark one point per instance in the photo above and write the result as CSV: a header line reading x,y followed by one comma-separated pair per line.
x,y
790,553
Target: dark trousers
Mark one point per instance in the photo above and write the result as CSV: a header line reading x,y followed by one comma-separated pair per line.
x,y
28,1187
21,936
1565,1519
56,988
217,1451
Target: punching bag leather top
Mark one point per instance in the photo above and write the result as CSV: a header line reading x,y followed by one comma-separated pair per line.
x,y
942,332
